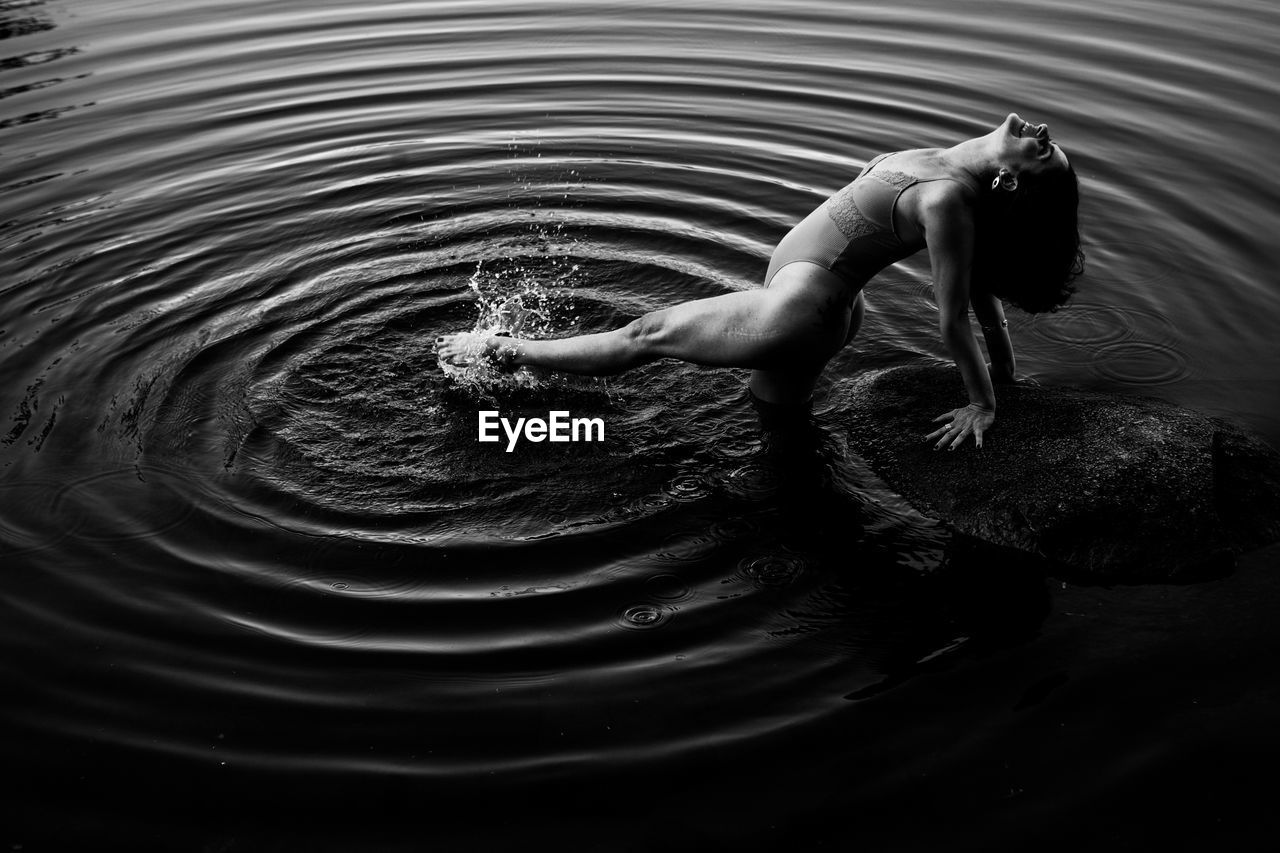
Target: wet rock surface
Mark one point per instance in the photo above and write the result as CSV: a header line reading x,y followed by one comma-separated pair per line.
x,y
1107,487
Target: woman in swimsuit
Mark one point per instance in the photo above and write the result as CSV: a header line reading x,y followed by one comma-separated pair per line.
x,y
997,214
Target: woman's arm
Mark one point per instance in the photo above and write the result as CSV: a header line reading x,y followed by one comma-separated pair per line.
x,y
947,220
995,330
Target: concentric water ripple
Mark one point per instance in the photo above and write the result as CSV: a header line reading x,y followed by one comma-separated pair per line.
x,y
247,522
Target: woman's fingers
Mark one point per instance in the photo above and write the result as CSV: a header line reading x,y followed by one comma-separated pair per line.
x,y
953,434
959,426
952,439
944,432
949,417
959,439
941,432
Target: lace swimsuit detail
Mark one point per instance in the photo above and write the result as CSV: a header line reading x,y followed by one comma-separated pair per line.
x,y
844,211
852,233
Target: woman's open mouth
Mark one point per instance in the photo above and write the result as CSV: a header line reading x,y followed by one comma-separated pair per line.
x,y
1041,134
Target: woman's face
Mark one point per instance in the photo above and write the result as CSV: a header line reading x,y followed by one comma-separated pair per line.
x,y
1027,147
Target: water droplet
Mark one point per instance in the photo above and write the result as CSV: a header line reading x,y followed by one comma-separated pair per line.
x,y
752,481
688,487
773,570
644,616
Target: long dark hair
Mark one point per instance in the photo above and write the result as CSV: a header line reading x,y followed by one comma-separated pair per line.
x,y
1027,242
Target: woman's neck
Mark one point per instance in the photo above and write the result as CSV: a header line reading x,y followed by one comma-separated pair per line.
x,y
974,157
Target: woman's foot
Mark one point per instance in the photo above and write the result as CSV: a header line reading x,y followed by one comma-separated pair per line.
x,y
461,349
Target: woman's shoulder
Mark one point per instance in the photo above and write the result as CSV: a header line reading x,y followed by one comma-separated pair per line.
x,y
919,166
917,153
910,159
940,192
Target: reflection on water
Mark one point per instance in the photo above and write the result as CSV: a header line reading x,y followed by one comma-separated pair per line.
x,y
253,552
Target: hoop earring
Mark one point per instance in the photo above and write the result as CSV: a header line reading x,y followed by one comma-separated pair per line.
x,y
1006,181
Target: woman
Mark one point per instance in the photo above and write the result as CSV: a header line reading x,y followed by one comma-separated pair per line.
x,y
997,214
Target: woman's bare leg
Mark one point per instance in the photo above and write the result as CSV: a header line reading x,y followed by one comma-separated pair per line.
x,y
787,387
794,326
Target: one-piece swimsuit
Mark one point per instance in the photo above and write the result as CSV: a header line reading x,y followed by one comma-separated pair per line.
x,y
852,233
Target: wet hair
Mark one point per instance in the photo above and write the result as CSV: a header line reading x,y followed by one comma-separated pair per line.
x,y
1027,242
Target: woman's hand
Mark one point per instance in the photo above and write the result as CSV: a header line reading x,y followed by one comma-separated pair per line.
x,y
971,419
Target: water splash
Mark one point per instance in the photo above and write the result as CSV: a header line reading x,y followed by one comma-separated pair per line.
x,y
522,301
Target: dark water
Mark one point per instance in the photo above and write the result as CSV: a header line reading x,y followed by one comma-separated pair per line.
x,y
263,589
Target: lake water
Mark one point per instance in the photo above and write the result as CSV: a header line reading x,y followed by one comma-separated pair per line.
x,y
263,589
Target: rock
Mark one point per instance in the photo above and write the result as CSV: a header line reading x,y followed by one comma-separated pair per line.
x,y
1108,488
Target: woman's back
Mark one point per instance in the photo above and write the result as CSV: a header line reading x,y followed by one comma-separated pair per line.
x,y
859,230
